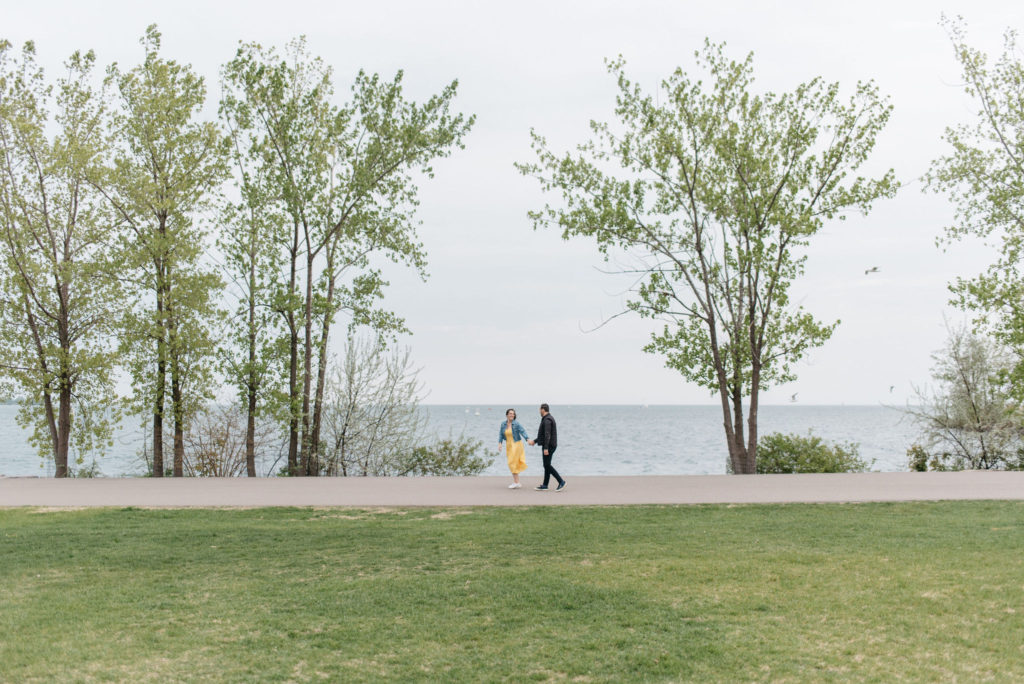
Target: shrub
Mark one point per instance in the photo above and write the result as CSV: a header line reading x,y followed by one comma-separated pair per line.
x,y
921,460
917,458
91,470
215,444
451,456
779,453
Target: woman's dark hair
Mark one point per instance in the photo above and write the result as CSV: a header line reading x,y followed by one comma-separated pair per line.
x,y
514,415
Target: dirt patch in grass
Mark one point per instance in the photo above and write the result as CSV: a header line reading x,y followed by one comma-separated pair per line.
x,y
448,515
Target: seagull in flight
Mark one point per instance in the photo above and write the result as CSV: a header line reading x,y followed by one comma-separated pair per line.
x,y
873,269
793,398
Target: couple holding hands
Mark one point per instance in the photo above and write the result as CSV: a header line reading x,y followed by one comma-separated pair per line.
x,y
512,436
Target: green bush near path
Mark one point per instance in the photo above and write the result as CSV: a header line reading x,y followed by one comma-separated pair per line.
x,y
870,592
793,453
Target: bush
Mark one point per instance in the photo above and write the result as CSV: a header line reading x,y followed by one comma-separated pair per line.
x,y
452,456
91,470
779,453
215,442
921,460
917,458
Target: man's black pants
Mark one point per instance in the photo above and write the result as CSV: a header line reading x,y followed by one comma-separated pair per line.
x,y
549,470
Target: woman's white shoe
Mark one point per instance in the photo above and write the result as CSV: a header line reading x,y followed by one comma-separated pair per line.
x,y
515,485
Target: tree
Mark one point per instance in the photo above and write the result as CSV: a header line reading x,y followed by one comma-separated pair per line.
x,y
715,191
983,175
253,231
167,166
969,420
371,419
57,296
373,424
342,178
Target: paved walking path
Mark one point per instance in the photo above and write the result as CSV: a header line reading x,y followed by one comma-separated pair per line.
x,y
493,491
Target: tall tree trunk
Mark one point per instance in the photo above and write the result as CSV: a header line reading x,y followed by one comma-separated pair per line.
x,y
293,359
293,397
65,376
177,395
60,469
177,408
736,390
63,428
735,463
158,421
321,376
738,442
735,457
318,404
250,434
160,390
308,467
252,380
251,392
755,380
51,423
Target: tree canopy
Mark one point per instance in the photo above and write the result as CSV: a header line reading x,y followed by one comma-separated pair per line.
x,y
982,173
713,190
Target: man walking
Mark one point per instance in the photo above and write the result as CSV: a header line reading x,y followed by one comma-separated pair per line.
x,y
547,438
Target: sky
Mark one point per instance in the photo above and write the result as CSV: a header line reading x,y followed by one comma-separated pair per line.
x,y
508,314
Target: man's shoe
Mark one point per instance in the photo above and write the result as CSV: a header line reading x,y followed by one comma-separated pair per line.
x,y
541,488
561,486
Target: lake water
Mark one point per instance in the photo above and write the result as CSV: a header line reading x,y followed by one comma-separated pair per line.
x,y
592,440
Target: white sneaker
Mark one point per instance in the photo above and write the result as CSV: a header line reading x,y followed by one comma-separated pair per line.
x,y
515,485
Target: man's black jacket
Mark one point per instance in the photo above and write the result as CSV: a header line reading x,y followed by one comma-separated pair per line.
x,y
547,433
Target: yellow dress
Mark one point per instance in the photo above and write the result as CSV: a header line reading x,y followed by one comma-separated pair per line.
x,y
515,452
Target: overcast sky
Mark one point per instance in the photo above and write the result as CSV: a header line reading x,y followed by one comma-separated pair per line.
x,y
504,314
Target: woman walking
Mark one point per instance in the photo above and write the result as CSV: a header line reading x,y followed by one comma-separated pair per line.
x,y
513,437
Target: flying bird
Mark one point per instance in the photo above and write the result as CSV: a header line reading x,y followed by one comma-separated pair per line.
x,y
873,269
891,388
793,398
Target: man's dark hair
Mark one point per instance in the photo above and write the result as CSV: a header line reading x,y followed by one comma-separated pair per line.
x,y
545,407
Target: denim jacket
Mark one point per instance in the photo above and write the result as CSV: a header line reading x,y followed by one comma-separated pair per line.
x,y
518,432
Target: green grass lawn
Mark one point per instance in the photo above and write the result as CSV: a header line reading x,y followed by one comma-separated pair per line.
x,y
879,592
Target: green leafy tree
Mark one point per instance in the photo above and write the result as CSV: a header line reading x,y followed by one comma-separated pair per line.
x,y
253,230
983,175
342,176
58,299
715,191
168,165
